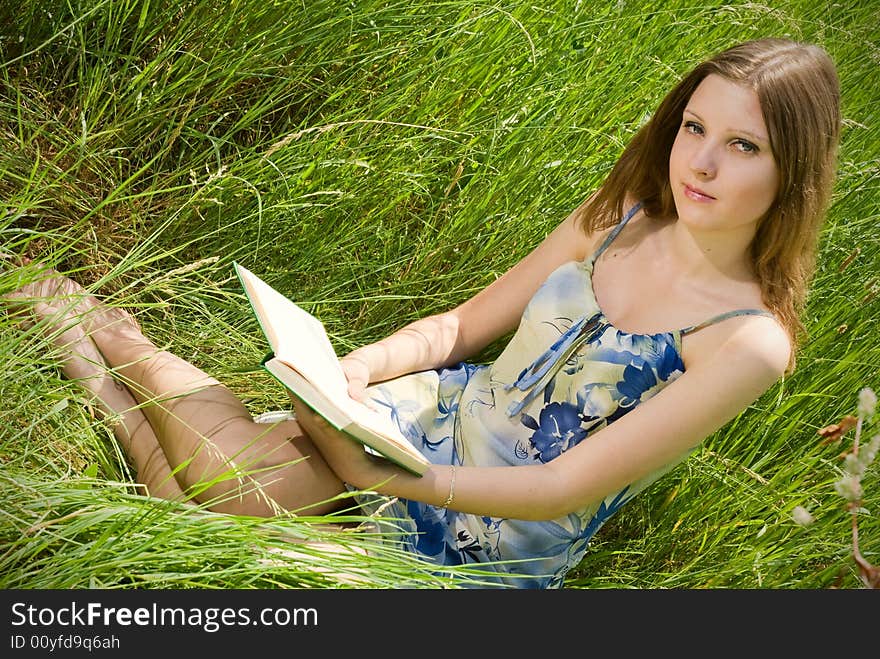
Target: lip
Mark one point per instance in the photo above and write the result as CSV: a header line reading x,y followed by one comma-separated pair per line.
x,y
696,194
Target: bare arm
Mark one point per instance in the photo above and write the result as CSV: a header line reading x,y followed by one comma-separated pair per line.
x,y
657,432
448,338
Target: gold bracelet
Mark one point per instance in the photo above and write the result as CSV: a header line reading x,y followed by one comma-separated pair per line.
x,y
451,490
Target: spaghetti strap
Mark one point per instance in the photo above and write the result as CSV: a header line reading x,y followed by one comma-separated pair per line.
x,y
725,316
611,236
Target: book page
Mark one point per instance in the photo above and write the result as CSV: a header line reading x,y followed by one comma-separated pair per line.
x,y
296,336
375,431
300,343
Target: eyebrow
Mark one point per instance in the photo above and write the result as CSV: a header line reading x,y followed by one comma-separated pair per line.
x,y
739,131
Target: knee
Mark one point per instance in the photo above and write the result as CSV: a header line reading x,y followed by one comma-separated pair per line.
x,y
230,460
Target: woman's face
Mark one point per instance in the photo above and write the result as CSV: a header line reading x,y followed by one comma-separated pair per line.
x,y
721,169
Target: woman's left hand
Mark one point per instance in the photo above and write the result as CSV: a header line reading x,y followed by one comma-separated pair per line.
x,y
345,456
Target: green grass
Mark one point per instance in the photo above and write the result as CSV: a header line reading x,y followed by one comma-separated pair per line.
x,y
380,161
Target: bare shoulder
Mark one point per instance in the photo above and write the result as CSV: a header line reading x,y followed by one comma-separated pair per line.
x,y
759,343
589,242
575,225
765,341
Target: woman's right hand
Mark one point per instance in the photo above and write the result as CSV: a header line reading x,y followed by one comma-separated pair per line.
x,y
357,372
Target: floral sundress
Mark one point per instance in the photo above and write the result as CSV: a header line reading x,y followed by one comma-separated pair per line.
x,y
566,373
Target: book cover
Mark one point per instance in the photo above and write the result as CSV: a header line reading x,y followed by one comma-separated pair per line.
x,y
302,359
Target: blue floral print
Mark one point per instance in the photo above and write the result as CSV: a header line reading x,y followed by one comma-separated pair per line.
x,y
559,429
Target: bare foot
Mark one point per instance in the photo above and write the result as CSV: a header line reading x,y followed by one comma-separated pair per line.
x,y
57,306
58,300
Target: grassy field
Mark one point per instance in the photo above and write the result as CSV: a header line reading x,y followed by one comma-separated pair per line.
x,y
380,161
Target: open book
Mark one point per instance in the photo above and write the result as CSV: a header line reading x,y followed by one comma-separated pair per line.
x,y
303,360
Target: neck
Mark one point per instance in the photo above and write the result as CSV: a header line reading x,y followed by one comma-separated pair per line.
x,y
705,258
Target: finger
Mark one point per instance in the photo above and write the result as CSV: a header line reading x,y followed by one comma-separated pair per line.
x,y
311,420
357,390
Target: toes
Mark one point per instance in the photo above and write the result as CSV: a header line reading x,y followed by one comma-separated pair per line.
x,y
45,295
49,294
45,284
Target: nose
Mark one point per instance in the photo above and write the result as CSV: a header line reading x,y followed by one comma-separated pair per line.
x,y
702,162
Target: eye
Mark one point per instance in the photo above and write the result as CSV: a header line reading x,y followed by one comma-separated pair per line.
x,y
746,147
692,127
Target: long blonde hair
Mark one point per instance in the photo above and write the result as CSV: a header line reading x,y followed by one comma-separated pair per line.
x,y
799,93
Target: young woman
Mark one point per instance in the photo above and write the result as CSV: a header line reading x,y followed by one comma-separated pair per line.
x,y
650,317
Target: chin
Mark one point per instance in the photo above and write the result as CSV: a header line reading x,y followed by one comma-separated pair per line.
x,y
698,214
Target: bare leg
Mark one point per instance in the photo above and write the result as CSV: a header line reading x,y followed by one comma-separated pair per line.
x,y
83,363
86,366
217,453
